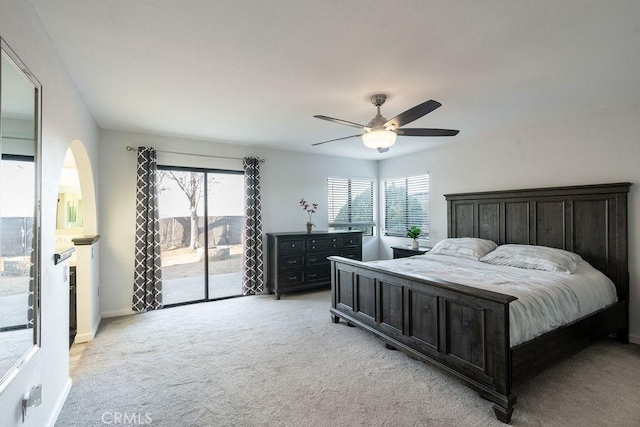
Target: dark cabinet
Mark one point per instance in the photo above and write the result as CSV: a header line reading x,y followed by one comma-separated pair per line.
x,y
407,251
73,318
298,261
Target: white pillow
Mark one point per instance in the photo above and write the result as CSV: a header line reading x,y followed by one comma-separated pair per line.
x,y
464,247
534,257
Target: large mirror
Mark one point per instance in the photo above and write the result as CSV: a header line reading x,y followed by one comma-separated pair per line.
x,y
20,165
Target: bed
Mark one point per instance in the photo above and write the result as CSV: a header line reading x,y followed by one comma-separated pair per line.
x,y
465,330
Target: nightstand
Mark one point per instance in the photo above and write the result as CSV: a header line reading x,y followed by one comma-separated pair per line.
x,y
405,251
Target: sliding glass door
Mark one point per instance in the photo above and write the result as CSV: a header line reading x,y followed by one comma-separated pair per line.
x,y
180,209
200,234
225,210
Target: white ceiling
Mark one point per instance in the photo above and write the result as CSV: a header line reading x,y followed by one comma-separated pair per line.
x,y
255,72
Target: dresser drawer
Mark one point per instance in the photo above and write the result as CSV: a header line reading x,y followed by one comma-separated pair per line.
x,y
350,253
319,275
353,241
314,241
317,259
291,245
317,248
291,278
322,244
290,262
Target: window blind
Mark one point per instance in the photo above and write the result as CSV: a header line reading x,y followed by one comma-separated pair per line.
x,y
351,204
406,204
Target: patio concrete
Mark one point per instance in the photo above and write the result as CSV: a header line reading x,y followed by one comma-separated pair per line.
x,y
192,288
13,310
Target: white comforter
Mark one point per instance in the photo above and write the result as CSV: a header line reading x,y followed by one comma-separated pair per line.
x,y
546,300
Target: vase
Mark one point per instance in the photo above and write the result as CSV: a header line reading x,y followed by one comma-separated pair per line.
x,y
309,227
415,244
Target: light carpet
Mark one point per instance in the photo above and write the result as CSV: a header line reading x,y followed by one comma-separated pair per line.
x,y
255,361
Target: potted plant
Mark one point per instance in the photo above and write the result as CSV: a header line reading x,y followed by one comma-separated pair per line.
x,y
310,210
414,233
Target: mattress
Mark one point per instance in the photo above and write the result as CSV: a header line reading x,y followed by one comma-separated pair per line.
x,y
546,300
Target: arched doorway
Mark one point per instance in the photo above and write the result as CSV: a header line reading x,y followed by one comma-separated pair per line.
x,y
76,225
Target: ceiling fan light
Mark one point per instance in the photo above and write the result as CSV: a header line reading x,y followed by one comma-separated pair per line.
x,y
379,139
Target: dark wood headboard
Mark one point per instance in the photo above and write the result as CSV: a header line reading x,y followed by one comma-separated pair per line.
x,y
590,220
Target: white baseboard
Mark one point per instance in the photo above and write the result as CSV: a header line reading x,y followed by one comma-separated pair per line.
x,y
117,313
59,404
94,327
86,337
634,339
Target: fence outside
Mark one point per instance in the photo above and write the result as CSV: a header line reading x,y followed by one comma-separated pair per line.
x,y
175,232
16,234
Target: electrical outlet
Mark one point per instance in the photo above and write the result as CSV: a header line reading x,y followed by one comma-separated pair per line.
x,y
65,273
32,399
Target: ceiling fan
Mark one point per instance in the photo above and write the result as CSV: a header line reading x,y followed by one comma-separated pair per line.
x,y
381,133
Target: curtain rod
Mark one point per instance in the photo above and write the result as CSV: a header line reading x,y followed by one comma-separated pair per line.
x,y
130,148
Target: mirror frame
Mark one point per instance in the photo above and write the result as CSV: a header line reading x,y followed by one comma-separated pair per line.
x,y
7,52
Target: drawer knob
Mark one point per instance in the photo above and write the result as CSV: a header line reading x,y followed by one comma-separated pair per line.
x,y
312,259
292,277
293,261
313,275
313,247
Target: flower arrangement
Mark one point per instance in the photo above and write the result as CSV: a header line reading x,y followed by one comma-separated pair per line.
x,y
309,209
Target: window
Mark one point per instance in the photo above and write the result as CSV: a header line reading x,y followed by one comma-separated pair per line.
x,y
406,204
351,204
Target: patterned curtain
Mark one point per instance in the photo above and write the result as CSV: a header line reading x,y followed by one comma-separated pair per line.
x,y
147,282
252,280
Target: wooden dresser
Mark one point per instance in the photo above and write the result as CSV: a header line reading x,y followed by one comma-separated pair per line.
x,y
298,261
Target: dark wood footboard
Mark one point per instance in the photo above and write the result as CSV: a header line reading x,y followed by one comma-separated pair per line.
x,y
460,329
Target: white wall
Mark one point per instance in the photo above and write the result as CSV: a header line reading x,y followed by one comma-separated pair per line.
x,y
602,147
285,178
87,291
65,118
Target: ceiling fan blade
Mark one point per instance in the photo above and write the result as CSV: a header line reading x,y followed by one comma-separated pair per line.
x,y
339,121
337,139
426,132
413,113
